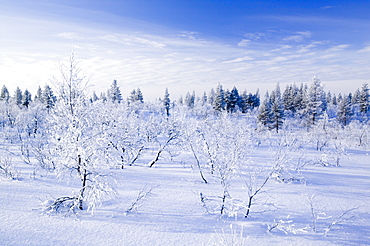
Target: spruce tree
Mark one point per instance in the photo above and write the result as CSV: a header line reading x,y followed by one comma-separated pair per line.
x,y
139,96
48,97
276,109
316,101
232,100
4,94
219,102
242,102
364,99
132,97
38,96
18,96
290,100
344,111
94,97
211,96
204,99
167,102
190,99
27,98
114,93
264,115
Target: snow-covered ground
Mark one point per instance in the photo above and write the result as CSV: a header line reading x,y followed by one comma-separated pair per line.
x,y
329,206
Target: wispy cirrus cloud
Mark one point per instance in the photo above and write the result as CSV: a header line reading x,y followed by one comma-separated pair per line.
x,y
298,37
365,49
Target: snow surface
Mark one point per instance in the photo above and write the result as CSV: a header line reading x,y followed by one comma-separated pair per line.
x,y
172,214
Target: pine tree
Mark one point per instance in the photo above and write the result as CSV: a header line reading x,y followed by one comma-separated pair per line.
x,y
167,102
264,115
356,97
316,104
334,100
276,109
219,102
27,98
289,98
114,92
48,97
139,96
344,110
181,100
4,94
18,96
204,99
256,99
212,96
329,98
364,102
103,96
94,97
242,102
38,96
232,100
301,100
190,99
132,97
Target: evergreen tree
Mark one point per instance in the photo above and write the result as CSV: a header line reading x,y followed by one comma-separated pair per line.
x,y
256,99
232,100
334,100
212,96
204,99
103,96
27,98
94,97
18,96
190,99
181,100
316,104
38,96
4,94
136,96
364,103
301,99
356,97
264,115
114,92
344,110
329,98
219,102
339,98
167,102
139,96
132,97
48,97
276,109
242,102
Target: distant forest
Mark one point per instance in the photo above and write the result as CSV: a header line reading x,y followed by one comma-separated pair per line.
x,y
308,102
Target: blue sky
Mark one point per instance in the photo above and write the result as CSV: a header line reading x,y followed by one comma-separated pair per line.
x,y
186,45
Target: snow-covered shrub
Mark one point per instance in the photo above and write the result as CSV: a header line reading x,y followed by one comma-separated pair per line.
x,y
7,169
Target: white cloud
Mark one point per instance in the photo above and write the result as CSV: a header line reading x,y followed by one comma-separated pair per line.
x,y
244,42
282,47
70,36
299,37
338,47
240,59
365,49
327,7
